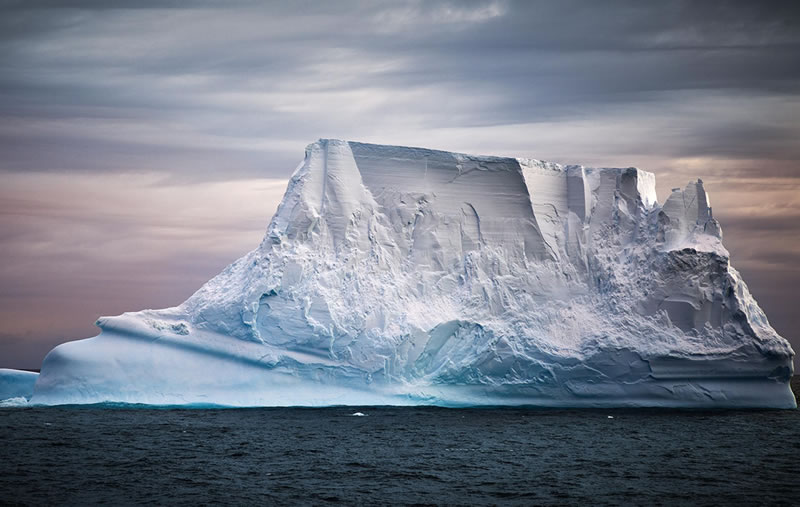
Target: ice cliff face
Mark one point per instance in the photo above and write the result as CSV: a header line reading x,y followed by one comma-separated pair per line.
x,y
395,275
16,387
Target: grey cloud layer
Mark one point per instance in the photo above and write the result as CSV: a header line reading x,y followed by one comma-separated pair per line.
x,y
204,91
290,70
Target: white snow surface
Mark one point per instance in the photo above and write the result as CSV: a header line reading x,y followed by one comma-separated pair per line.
x,y
394,275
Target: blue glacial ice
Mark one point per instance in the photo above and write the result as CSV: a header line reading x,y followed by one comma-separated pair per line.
x,y
16,386
394,276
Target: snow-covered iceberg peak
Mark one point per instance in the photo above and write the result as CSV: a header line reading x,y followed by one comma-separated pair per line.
x,y
395,275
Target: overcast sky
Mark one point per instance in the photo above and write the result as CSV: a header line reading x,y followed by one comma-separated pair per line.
x,y
142,150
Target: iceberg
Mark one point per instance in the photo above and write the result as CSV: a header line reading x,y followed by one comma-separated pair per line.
x,y
404,276
16,385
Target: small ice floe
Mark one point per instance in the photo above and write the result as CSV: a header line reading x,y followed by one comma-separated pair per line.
x,y
358,414
611,417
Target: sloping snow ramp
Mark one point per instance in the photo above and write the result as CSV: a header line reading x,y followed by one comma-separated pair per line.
x,y
394,275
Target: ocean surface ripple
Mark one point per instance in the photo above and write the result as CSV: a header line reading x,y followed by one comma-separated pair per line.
x,y
124,455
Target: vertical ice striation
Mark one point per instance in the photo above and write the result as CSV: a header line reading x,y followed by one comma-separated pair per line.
x,y
688,213
397,275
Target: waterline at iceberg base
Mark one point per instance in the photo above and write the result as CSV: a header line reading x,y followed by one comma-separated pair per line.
x,y
393,275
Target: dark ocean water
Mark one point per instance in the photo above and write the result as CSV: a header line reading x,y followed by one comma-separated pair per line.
x,y
80,456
